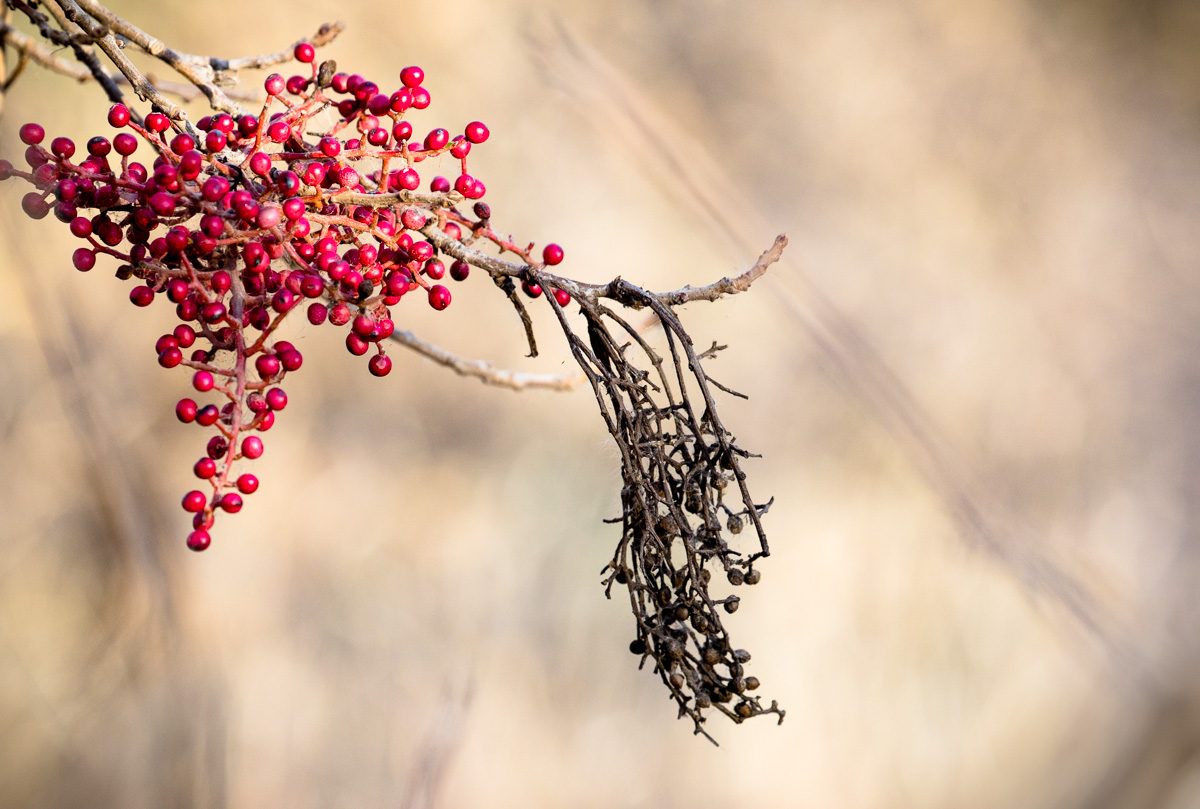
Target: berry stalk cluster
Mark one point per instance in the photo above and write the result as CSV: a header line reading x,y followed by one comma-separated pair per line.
x,y
312,204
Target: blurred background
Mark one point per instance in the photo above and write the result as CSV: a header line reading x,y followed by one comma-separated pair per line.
x,y
974,383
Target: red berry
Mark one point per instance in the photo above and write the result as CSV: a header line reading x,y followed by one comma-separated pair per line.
x,y
83,259
274,84
247,484
562,296
267,365
380,365
205,468
412,76
141,296
476,132
439,297
552,254
436,139
32,134
231,503
198,540
194,501
203,381
118,115
62,147
304,52
157,122
252,447
185,410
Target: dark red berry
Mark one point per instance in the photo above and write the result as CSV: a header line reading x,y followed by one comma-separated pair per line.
x,y
439,297
380,365
199,540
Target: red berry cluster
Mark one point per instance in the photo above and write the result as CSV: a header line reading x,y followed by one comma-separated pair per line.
x,y
315,199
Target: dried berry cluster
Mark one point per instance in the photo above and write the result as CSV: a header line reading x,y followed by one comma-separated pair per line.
x,y
683,501
314,200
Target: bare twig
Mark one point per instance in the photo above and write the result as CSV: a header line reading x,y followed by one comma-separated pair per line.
x,y
485,372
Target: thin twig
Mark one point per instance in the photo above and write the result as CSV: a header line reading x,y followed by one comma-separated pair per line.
x,y
485,372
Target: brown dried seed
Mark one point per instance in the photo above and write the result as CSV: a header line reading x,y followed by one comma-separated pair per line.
x,y
744,710
734,524
753,577
741,655
752,683
731,604
735,577
676,680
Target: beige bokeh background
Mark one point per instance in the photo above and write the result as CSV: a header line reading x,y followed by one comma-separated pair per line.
x,y
974,383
